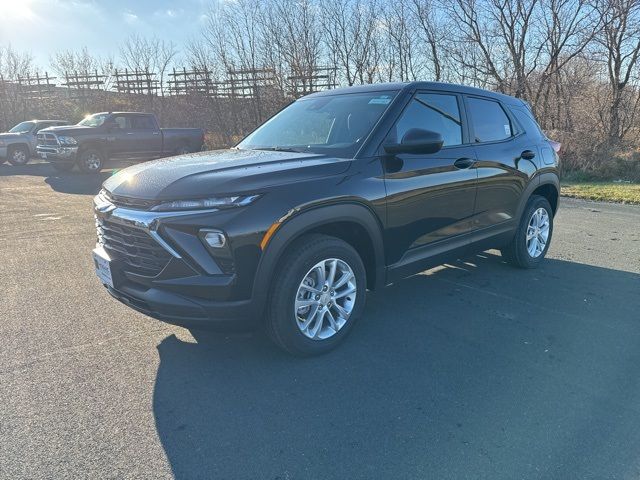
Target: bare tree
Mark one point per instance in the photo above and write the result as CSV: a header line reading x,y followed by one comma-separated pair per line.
x,y
14,65
619,44
149,55
350,28
434,34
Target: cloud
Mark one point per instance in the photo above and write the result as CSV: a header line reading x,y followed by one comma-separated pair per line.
x,y
130,17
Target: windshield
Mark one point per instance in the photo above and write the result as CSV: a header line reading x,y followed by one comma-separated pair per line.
x,y
24,127
335,124
94,120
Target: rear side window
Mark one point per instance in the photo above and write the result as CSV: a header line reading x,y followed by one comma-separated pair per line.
x,y
142,122
432,111
525,118
488,120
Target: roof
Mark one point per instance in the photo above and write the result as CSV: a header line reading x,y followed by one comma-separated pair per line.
x,y
409,86
122,113
47,120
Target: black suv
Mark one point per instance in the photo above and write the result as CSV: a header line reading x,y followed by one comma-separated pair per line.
x,y
340,192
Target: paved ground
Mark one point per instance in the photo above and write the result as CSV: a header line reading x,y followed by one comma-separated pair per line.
x,y
475,370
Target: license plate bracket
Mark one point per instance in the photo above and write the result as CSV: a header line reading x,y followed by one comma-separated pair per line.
x,y
102,263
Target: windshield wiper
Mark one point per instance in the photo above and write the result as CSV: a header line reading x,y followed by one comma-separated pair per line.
x,y
278,149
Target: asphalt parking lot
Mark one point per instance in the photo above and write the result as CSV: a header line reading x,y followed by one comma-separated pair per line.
x,y
472,370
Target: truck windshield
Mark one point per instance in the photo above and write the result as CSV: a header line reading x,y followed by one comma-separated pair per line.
x,y
24,127
94,120
332,124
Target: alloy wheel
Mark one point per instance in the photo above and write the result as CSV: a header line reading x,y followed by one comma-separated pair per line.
x,y
325,299
19,156
93,162
538,232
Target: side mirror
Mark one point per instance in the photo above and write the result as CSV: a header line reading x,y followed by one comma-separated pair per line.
x,y
417,140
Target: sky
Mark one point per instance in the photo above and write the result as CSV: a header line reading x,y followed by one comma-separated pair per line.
x,y
43,27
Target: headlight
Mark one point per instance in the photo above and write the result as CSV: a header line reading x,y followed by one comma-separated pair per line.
x,y
67,140
202,203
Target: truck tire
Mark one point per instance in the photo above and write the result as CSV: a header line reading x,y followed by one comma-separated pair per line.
x,y
531,242
18,155
91,160
317,294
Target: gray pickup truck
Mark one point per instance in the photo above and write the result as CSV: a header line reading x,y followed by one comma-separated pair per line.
x,y
18,145
114,135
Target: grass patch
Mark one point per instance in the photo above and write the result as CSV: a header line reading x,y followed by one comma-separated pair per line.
x,y
603,191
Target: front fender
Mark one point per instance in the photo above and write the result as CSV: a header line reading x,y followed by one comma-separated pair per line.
x,y
306,220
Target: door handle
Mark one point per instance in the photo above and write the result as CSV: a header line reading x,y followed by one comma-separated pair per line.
x,y
528,155
156,133
464,162
129,133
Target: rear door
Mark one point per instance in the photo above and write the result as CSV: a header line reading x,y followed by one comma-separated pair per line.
x,y
147,135
503,166
120,141
430,197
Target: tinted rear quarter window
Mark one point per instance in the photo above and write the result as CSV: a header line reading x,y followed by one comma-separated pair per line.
x,y
525,118
489,121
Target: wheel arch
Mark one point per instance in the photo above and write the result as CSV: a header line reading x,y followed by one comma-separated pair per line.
x,y
546,185
13,146
353,223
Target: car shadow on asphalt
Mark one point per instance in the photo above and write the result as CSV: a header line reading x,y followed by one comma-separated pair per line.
x,y
472,370
72,182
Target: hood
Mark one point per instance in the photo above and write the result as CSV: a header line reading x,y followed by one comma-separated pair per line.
x,y
10,136
68,129
219,172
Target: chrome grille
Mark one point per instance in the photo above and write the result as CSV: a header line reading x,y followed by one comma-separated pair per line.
x,y
48,139
141,254
128,202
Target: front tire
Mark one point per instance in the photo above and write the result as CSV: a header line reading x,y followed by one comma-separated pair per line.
x,y
91,161
317,295
531,242
18,156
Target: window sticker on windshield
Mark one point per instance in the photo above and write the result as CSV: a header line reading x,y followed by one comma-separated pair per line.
x,y
507,130
382,100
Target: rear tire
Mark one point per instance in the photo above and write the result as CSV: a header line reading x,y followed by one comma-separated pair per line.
x,y
18,155
183,150
531,242
91,161
333,306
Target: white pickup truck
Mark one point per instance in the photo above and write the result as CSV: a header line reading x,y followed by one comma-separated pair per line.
x,y
18,145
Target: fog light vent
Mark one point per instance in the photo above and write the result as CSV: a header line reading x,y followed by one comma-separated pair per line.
x,y
215,239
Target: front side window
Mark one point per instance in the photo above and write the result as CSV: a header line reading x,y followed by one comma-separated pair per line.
x,y
432,111
94,120
332,124
121,122
24,127
488,120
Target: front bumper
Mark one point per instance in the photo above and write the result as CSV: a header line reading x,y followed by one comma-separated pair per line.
x,y
192,286
186,311
57,154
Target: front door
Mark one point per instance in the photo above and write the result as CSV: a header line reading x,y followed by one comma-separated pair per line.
x,y
430,197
